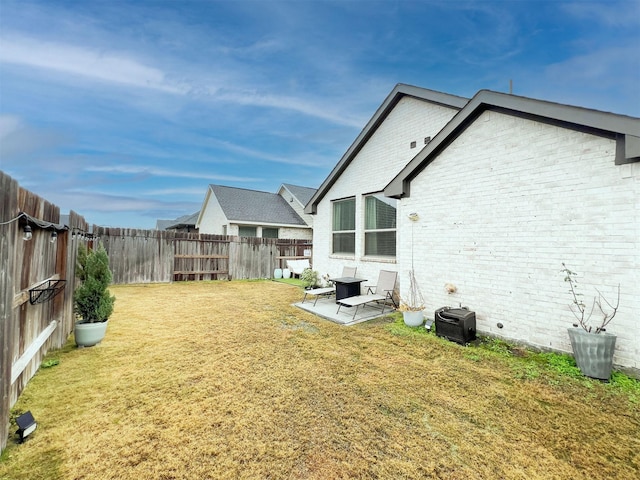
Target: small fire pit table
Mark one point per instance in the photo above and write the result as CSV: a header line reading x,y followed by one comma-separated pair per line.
x,y
347,287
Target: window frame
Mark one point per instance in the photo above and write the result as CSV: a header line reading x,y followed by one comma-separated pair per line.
x,y
275,229
349,232
255,231
368,231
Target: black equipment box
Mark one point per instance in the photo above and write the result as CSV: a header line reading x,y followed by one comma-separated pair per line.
x,y
456,324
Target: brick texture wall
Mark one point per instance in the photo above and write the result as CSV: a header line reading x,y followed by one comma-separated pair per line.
x,y
500,210
384,155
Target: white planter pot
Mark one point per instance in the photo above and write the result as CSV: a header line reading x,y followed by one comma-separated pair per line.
x,y
89,334
413,319
593,352
277,273
286,273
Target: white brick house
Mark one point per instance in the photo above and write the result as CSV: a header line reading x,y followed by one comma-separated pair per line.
x,y
507,189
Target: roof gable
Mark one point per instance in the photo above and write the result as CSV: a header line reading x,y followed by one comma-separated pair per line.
x,y
301,194
626,130
242,205
400,91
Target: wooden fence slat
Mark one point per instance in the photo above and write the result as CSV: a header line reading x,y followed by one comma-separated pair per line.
x,y
202,256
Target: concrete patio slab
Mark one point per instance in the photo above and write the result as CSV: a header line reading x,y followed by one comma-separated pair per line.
x,y
327,308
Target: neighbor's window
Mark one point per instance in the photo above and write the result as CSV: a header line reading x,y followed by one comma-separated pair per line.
x,y
380,225
344,226
247,232
269,232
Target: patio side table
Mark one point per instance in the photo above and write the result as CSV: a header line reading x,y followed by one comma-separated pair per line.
x,y
347,287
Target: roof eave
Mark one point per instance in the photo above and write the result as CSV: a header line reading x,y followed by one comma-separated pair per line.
x,y
625,129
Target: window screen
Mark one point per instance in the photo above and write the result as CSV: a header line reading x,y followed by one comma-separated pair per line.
x,y
344,226
269,232
380,226
247,231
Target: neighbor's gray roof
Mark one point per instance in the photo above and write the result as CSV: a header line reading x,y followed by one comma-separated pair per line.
x,y
163,224
241,205
303,194
625,129
400,90
183,221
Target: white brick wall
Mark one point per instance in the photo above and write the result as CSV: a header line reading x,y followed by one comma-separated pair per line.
x,y
295,233
500,210
384,155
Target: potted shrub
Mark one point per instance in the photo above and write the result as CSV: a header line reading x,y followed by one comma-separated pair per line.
x,y
592,346
92,302
412,306
309,278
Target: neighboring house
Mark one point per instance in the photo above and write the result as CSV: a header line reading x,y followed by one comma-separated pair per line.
x,y
185,223
298,197
507,189
251,213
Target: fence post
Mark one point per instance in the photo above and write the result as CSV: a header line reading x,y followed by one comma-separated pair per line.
x,y
8,239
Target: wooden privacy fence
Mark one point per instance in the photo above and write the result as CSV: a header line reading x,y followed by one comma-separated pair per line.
x,y
36,287
151,256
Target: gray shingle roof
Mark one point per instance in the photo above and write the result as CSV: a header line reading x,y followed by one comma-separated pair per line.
x,y
163,224
303,194
242,205
183,221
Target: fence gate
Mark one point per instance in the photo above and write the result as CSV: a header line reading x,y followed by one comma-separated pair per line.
x,y
200,259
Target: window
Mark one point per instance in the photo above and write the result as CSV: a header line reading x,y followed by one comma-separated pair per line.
x,y
380,225
344,226
247,232
269,232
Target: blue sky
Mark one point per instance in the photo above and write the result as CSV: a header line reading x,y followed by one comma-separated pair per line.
x,y
125,111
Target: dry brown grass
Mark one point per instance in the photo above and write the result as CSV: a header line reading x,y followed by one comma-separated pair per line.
x,y
227,380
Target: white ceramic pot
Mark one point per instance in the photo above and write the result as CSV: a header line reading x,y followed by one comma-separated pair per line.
x,y
413,319
286,273
89,334
277,273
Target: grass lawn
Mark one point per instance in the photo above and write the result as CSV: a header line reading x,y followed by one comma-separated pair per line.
x,y
227,380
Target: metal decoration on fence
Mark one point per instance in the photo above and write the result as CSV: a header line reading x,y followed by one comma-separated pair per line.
x,y
46,291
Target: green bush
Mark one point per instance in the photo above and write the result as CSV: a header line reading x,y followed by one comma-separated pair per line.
x,y
92,301
309,278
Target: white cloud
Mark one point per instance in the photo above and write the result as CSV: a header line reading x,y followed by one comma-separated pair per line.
x,y
198,191
122,69
160,172
108,67
8,125
18,139
307,160
603,68
612,13
246,97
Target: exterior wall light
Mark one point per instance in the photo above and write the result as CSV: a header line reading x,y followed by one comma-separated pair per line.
x,y
26,425
27,233
54,236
